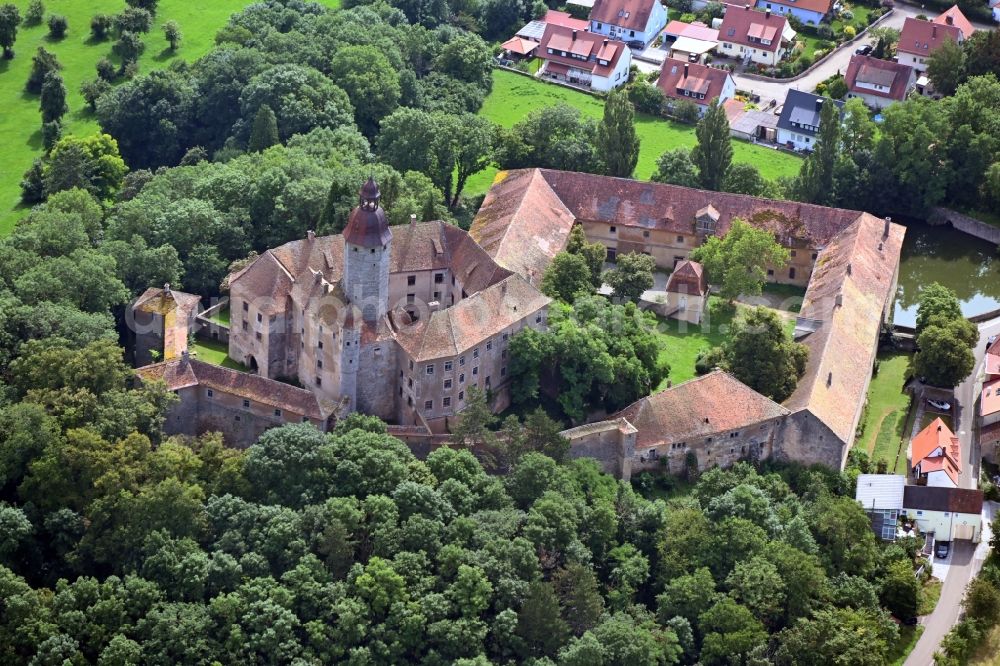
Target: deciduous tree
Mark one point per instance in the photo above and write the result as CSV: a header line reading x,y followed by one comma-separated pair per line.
x,y
675,167
762,355
10,19
737,263
631,276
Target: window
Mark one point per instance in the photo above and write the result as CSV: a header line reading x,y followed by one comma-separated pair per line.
x,y
791,273
430,369
461,361
438,278
461,395
305,419
447,366
614,230
437,295
461,378
475,371
257,335
503,371
246,404
411,365
245,327
489,345
770,272
428,404
793,253
920,513
814,255
246,307
277,412
410,298
409,382
320,344
259,318
505,336
411,280
680,239
503,353
538,319
237,418
446,402
319,382
319,363
211,393
447,383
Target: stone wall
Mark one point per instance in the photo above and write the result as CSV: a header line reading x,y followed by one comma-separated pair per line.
x,y
965,224
610,443
377,379
805,439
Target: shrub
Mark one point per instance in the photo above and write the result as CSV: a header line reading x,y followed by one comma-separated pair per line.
x,y
57,26
837,88
921,17
847,15
92,91
686,111
850,31
687,18
105,69
646,98
100,26
35,13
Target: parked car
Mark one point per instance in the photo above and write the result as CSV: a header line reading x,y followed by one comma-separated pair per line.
x,y
991,340
637,44
864,50
941,549
939,405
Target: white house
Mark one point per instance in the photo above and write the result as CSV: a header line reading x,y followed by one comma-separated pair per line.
x,y
878,83
919,39
995,6
810,12
583,58
798,123
628,20
950,513
936,455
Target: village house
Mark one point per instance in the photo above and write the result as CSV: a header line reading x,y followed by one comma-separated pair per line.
x,y
948,513
881,496
522,46
989,409
848,260
995,9
583,58
752,36
919,39
810,12
936,456
878,83
699,84
638,21
687,292
798,123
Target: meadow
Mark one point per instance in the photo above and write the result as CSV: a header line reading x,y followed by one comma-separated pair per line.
x,y
514,96
20,121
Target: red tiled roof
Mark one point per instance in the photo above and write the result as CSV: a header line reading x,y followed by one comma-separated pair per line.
x,y
892,75
181,373
741,23
714,403
936,436
565,19
629,14
519,45
955,17
688,278
696,78
818,6
852,285
597,49
922,38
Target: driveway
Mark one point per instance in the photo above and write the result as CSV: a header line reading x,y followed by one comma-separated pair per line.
x,y
966,397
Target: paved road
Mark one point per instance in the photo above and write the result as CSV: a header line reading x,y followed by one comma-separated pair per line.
x,y
966,396
965,563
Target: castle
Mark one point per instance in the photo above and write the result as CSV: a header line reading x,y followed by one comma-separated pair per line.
x,y
399,322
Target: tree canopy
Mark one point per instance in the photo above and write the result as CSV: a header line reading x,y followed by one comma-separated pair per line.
x,y
738,262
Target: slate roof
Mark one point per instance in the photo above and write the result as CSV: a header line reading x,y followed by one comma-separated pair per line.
x,y
803,108
699,408
182,373
891,75
628,14
852,285
922,38
469,322
741,23
880,491
937,498
955,17
601,54
695,78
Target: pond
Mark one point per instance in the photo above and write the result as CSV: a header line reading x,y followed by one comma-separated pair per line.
x,y
967,265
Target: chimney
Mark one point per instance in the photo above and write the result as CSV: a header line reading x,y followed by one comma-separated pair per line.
x,y
186,358
939,425
949,19
829,378
839,300
574,35
767,13
934,31
819,104
848,268
311,235
685,70
413,218
166,289
746,7
885,228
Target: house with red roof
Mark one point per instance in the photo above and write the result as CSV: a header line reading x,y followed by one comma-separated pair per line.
x,y
936,455
687,291
680,80
810,12
628,20
955,17
583,58
754,36
919,39
878,83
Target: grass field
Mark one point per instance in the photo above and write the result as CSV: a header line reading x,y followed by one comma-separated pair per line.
x,y
887,409
930,593
216,353
514,96
20,121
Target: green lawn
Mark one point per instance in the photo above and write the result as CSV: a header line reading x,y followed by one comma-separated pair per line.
x,y
887,409
930,592
221,317
514,96
20,122
216,353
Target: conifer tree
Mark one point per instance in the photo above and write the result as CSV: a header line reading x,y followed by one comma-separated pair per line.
x,y
264,133
617,143
10,17
816,175
53,100
714,152
43,63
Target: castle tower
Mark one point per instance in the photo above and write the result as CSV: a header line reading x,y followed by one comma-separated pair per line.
x,y
367,249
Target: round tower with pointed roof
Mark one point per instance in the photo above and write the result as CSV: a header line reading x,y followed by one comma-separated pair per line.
x,y
367,250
